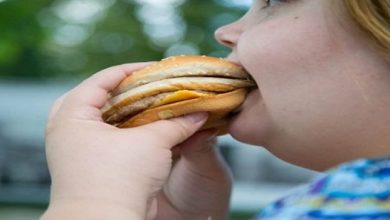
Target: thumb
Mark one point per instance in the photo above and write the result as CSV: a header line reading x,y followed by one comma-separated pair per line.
x,y
174,131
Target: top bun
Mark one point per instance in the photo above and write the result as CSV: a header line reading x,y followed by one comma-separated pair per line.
x,y
180,66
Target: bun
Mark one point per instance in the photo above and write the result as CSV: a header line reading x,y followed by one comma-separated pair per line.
x,y
180,66
212,84
178,86
218,107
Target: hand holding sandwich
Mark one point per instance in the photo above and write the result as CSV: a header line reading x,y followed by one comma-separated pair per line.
x,y
102,171
199,185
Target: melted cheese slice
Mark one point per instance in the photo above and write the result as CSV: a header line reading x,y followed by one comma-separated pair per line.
x,y
180,96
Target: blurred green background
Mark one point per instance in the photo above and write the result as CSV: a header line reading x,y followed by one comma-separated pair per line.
x,y
67,40
46,39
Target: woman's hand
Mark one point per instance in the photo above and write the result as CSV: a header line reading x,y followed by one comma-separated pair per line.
x,y
199,186
99,171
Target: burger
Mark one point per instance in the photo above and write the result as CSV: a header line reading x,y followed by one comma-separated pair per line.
x,y
177,86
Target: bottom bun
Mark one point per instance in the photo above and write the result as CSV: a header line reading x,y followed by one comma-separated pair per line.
x,y
218,108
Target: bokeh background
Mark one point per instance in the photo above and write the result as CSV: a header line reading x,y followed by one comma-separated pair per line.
x,y
48,46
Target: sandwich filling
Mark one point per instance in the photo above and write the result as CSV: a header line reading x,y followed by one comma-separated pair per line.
x,y
164,98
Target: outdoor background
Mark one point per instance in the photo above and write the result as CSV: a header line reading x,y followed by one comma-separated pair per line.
x,y
48,46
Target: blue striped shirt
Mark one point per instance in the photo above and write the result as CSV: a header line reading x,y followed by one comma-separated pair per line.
x,y
358,190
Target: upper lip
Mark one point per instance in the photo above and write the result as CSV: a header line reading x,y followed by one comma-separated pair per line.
x,y
235,62
231,58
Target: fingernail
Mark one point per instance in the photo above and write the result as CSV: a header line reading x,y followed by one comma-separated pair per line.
x,y
196,117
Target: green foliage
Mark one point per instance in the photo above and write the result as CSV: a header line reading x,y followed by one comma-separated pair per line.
x,y
46,39
21,38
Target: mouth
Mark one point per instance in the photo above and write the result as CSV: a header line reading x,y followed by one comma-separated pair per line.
x,y
234,113
252,89
244,105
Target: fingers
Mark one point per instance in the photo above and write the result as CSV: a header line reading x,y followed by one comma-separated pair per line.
x,y
174,131
200,148
88,97
199,145
201,154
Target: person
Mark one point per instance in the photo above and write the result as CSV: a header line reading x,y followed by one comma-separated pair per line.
x,y
323,100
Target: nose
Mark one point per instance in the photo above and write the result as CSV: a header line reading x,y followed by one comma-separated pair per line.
x,y
228,35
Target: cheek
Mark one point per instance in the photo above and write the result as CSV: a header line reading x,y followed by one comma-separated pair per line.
x,y
291,60
286,53
278,48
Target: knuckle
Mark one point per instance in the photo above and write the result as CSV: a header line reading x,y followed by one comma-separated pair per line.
x,y
56,103
51,121
50,127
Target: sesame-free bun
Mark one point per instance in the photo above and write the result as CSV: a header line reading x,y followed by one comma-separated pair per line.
x,y
178,86
218,107
180,66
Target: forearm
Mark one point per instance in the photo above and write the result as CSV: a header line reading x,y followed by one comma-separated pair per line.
x,y
89,210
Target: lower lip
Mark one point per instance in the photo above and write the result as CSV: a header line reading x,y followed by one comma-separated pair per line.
x,y
233,115
238,111
249,97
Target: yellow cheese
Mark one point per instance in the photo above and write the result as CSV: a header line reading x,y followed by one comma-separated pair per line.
x,y
180,96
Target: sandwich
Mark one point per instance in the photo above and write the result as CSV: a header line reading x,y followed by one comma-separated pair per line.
x,y
177,86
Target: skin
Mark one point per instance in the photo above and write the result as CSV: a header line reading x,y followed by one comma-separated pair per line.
x,y
323,99
323,93
99,171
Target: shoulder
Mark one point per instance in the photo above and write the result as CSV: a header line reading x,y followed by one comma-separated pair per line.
x,y
356,190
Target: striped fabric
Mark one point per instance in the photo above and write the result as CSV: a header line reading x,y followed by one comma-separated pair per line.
x,y
358,190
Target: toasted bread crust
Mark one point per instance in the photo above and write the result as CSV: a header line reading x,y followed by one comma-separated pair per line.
x,y
131,109
179,66
218,107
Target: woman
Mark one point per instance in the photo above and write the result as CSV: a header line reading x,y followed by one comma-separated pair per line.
x,y
322,68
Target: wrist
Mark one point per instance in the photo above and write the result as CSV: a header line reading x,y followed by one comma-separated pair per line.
x,y
89,209
115,194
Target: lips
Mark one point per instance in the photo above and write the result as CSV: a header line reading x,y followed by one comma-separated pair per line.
x,y
247,102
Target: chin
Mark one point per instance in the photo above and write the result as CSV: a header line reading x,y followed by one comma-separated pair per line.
x,y
237,128
251,125
252,132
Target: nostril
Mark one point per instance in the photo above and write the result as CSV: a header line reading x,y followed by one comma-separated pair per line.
x,y
228,43
228,35
224,39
